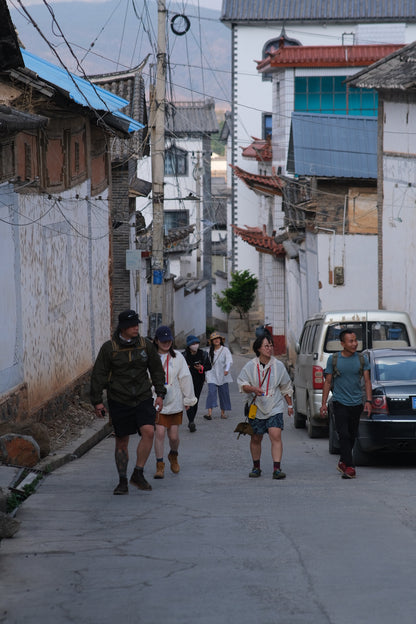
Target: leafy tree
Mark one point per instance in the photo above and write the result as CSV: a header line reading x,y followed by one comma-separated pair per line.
x,y
239,295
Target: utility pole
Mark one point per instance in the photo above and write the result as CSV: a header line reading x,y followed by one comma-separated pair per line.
x,y
157,142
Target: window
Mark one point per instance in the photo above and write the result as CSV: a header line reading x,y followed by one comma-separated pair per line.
x,y
176,162
329,94
267,125
174,219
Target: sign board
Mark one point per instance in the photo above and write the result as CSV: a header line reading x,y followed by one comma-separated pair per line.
x,y
133,259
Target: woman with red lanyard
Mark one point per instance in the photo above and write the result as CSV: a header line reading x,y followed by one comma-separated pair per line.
x,y
179,394
268,382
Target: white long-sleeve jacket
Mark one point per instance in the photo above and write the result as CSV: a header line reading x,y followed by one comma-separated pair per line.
x,y
178,383
222,362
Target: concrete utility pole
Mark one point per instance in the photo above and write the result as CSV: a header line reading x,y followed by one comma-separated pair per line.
x,y
157,139
208,223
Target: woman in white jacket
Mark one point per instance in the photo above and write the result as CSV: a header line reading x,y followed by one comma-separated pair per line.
x,y
219,376
179,393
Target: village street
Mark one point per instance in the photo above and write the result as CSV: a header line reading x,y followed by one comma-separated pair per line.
x,y
210,545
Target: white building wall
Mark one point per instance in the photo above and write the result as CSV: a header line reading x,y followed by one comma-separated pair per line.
x,y
253,96
358,255
189,314
57,324
399,214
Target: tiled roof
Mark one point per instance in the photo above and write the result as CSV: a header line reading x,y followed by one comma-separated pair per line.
x,y
327,56
333,146
191,118
260,149
258,238
130,86
266,185
348,11
397,71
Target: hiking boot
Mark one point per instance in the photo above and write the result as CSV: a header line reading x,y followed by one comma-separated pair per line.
x,y
173,459
255,472
137,479
349,473
192,427
160,470
122,487
341,467
279,474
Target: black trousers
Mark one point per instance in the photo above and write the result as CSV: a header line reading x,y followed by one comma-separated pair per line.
x,y
191,411
347,420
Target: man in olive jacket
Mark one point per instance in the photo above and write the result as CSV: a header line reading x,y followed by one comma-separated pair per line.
x,y
126,367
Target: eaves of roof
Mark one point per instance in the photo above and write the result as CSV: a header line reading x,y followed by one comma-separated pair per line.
x,y
260,240
260,149
265,185
326,56
348,11
397,71
13,120
81,91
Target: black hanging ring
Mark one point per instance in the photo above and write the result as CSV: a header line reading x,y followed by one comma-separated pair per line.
x,y
183,20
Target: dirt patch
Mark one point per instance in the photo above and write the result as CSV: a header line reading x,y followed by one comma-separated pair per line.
x,y
69,424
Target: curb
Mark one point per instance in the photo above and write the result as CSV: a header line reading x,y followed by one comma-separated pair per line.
x,y
89,438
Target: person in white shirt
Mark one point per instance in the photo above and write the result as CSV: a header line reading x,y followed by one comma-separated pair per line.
x,y
179,394
267,381
219,376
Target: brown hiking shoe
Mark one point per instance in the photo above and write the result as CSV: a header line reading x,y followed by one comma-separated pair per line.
x,y
137,479
122,487
160,470
173,458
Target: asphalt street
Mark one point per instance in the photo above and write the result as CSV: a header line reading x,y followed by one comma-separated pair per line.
x,y
212,546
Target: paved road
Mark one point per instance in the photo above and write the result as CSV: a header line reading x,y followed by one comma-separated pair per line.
x,y
210,545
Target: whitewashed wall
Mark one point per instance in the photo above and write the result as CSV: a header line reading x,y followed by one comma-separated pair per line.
x,y
399,208
60,289
360,271
189,314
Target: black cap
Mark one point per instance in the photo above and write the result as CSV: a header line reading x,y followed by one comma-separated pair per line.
x,y
128,318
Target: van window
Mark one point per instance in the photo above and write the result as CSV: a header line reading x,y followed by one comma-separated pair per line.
x,y
332,342
305,338
387,334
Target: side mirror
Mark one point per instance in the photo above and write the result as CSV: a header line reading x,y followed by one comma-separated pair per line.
x,y
297,347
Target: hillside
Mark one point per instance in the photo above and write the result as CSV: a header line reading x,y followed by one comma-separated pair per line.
x,y
113,35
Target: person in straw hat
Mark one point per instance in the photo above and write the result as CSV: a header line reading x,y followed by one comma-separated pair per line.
x,y
219,376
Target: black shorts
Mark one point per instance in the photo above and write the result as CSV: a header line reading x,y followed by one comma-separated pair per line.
x,y
127,419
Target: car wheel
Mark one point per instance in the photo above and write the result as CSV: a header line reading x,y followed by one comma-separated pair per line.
x,y
333,441
313,431
360,457
298,419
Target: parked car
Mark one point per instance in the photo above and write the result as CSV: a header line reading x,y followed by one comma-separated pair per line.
x,y
320,338
391,427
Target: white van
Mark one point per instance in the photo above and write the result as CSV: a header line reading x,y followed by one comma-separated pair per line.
x,y
320,338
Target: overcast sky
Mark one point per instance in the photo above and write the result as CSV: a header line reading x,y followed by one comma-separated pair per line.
x,y
209,4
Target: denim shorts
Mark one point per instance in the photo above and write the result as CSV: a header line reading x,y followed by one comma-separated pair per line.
x,y
261,426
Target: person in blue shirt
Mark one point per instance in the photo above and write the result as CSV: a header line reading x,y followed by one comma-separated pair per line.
x,y
347,396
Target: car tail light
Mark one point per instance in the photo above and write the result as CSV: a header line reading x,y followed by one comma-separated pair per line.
x,y
379,404
317,378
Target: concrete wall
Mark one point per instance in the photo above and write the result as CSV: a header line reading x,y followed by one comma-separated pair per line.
x,y
57,316
189,315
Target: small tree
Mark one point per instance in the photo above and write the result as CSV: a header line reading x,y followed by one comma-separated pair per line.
x,y
239,295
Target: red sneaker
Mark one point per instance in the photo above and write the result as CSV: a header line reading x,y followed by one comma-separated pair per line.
x,y
349,473
341,467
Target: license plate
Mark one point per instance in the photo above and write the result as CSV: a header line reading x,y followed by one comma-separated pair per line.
x,y
414,402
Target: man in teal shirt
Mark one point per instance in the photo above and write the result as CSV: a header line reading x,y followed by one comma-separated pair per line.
x,y
347,396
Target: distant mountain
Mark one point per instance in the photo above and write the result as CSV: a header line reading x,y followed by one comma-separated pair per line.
x,y
113,35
